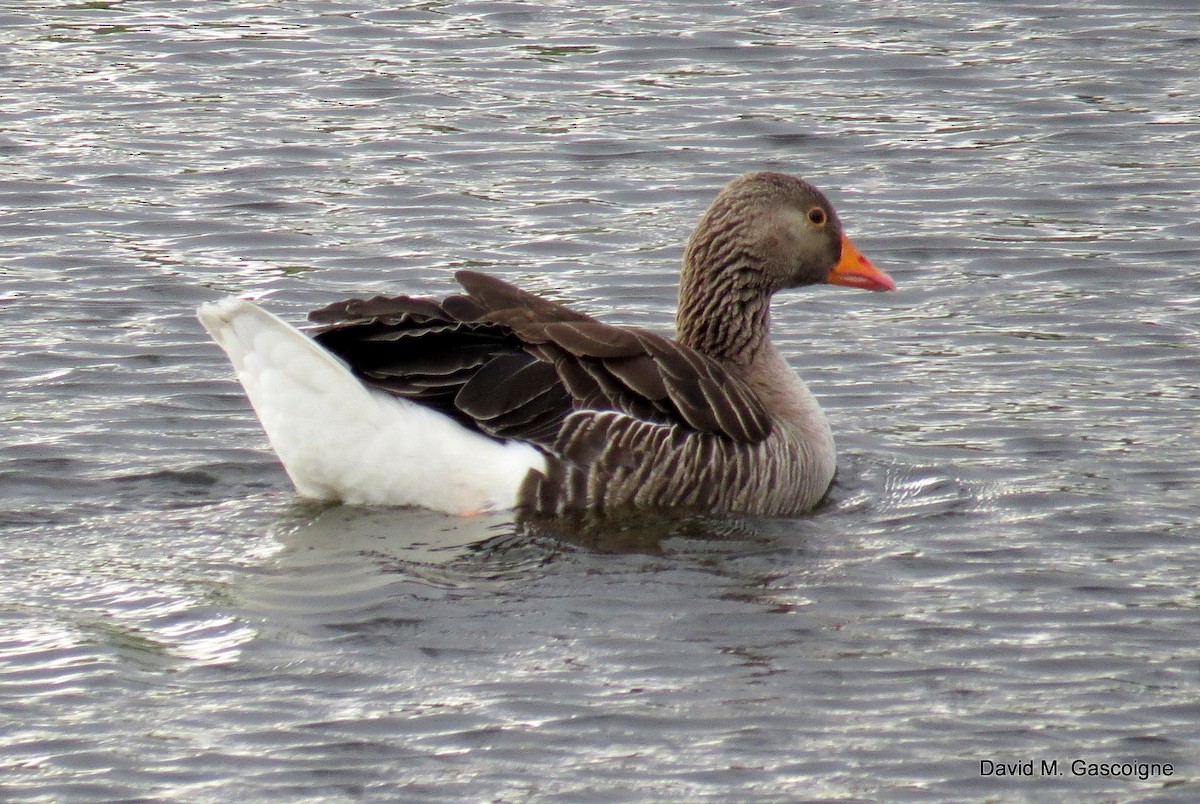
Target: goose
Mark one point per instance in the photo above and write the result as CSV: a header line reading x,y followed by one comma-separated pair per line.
x,y
497,399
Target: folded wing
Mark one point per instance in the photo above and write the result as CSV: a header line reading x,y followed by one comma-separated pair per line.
x,y
513,365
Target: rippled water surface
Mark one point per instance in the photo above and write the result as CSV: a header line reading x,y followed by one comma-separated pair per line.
x,y
1007,571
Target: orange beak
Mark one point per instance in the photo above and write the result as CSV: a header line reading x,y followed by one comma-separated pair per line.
x,y
856,271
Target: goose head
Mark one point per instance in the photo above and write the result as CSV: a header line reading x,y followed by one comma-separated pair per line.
x,y
764,232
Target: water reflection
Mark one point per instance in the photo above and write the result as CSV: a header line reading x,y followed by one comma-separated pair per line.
x,y
409,535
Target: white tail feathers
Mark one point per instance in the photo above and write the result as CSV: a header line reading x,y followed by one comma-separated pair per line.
x,y
341,440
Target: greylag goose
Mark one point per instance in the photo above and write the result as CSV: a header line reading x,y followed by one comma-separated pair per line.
x,y
499,399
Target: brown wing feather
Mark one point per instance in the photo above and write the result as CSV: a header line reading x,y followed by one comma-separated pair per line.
x,y
505,303
511,364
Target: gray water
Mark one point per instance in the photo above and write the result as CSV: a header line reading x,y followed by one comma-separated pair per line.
x,y
1007,570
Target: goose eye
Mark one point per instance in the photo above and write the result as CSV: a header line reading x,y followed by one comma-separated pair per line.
x,y
817,216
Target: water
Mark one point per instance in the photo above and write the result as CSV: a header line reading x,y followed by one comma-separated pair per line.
x,y
1008,567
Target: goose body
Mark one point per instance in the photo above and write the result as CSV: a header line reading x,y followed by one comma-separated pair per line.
x,y
496,398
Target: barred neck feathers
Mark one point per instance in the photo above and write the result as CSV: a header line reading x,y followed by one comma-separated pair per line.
x,y
723,304
725,318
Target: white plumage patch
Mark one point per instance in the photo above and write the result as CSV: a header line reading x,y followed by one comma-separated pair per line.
x,y
340,440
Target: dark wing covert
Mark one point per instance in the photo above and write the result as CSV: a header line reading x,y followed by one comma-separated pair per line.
x,y
513,365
